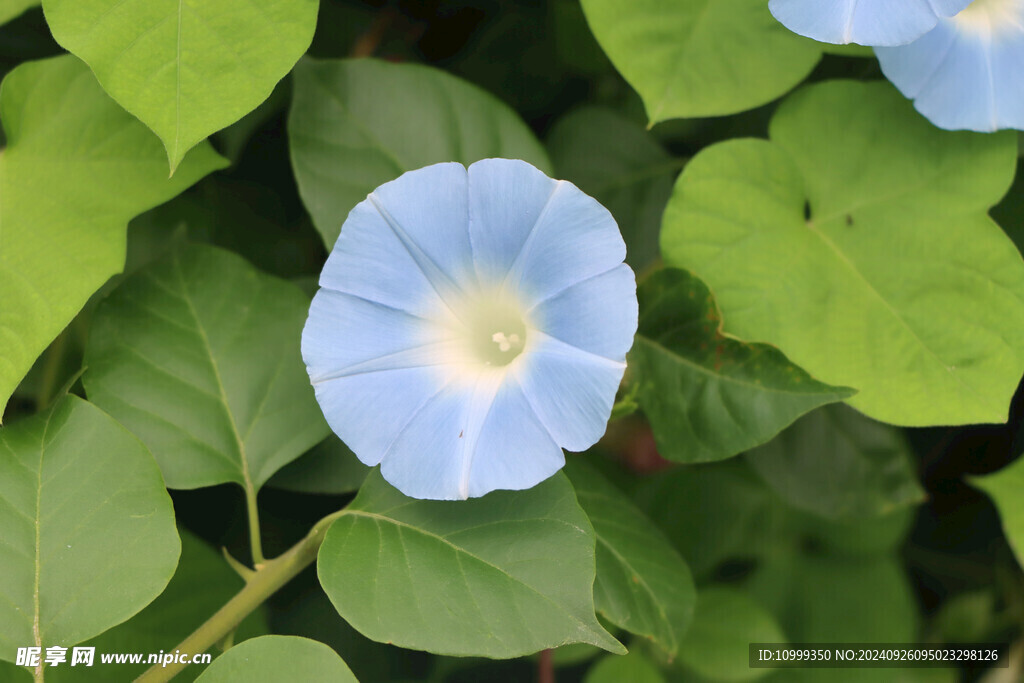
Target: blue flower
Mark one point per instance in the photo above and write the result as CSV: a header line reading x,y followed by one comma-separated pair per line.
x,y
867,22
968,72
471,324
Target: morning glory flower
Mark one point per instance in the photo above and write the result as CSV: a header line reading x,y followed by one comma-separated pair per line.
x,y
470,324
968,72
867,22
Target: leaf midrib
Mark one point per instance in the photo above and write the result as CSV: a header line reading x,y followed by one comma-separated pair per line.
x,y
853,269
247,481
657,347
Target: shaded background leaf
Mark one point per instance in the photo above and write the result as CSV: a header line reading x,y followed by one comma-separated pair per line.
x,y
629,172
839,464
9,9
709,396
328,467
347,136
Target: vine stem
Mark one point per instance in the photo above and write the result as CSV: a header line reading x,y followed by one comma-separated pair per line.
x,y
263,583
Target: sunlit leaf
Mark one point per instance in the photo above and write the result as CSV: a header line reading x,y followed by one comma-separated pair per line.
x,y
700,57
857,241
185,68
75,170
634,667
202,583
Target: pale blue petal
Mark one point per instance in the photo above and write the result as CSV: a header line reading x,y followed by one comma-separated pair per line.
x,y
428,458
369,411
574,238
867,22
598,315
344,332
370,262
506,197
514,450
962,76
480,437
429,210
407,244
570,390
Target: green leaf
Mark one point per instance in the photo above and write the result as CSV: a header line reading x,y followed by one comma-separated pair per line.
x,y
634,668
700,57
822,599
11,9
201,585
198,354
272,659
88,535
714,513
75,170
1006,488
621,165
500,576
330,467
859,535
726,622
347,136
839,464
185,68
896,283
708,396
643,585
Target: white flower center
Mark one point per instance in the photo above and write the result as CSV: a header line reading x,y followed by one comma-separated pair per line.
x,y
991,17
495,328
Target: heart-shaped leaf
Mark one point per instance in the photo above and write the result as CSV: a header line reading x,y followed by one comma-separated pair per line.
x,y
87,527
198,355
857,241
185,68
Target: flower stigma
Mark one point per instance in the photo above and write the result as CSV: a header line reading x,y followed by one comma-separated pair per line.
x,y
496,328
